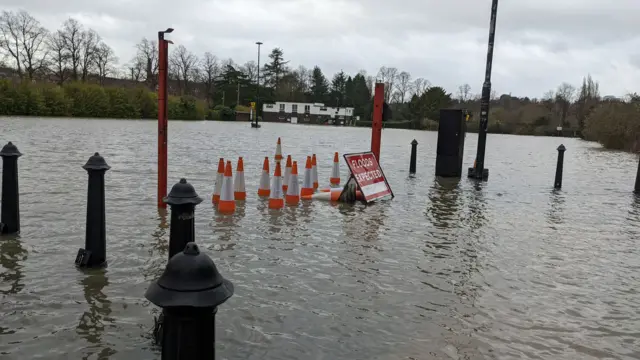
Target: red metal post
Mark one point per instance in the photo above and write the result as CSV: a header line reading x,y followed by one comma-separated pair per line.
x,y
376,124
163,47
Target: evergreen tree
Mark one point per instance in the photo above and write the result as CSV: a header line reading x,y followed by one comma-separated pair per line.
x,y
275,69
319,86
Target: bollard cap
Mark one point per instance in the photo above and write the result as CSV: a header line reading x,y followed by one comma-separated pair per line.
x,y
190,279
182,193
414,142
96,162
562,148
10,150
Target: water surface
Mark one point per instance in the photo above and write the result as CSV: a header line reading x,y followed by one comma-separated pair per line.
x,y
446,270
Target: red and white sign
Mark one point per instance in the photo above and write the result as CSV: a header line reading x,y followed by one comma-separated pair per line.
x,y
369,176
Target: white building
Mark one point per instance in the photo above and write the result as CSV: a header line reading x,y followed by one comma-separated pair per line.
x,y
317,113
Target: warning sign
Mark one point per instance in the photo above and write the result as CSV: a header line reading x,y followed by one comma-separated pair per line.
x,y
367,173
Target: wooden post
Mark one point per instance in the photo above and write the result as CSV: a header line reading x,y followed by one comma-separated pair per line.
x,y
376,124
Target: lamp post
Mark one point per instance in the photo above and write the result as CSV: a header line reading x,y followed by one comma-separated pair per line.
x,y
257,88
478,171
163,114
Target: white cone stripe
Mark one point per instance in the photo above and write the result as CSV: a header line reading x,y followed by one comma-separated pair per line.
x,y
264,180
218,187
238,184
293,188
227,189
278,149
314,173
335,173
287,175
307,183
276,188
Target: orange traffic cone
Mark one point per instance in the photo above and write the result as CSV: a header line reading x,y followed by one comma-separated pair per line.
x,y
287,175
293,190
278,151
239,191
334,180
314,172
219,178
264,190
330,195
227,204
307,182
276,200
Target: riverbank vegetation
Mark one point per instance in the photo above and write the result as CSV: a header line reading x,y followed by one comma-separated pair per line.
x,y
70,71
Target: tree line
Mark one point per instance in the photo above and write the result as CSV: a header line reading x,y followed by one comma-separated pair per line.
x,y
76,60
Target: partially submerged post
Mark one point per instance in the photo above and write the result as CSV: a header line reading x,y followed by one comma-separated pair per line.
x,y
557,183
478,171
636,189
183,200
376,124
189,293
94,253
10,207
450,149
163,115
412,161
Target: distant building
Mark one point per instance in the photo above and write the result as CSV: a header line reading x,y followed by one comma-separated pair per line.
x,y
306,113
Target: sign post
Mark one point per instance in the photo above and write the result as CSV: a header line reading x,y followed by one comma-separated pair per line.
x,y
368,175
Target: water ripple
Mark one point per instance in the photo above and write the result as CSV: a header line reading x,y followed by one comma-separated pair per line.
x,y
446,270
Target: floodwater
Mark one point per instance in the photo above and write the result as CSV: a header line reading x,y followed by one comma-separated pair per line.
x,y
508,270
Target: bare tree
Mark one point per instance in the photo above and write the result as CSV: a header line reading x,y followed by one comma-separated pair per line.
x,y
587,100
133,71
420,86
24,39
209,70
147,59
72,34
302,77
387,75
89,46
250,68
403,86
464,93
105,59
182,63
564,98
59,58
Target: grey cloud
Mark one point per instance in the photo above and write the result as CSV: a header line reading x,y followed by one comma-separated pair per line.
x,y
539,43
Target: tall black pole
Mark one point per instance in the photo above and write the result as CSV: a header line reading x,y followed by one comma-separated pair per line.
x,y
478,170
258,85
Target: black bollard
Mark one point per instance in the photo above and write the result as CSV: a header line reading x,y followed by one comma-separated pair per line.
x,y
412,163
189,292
10,208
94,253
183,200
452,130
636,189
557,184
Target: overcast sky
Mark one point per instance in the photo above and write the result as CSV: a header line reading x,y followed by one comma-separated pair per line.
x,y
539,43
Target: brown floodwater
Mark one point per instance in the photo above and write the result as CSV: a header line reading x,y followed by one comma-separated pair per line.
x,y
507,270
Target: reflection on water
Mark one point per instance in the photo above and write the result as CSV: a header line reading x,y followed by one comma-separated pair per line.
x,y
11,254
444,204
556,208
161,234
93,321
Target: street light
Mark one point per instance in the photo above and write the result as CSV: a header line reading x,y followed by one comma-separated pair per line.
x,y
255,125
